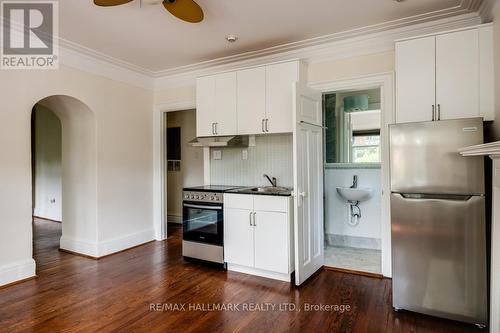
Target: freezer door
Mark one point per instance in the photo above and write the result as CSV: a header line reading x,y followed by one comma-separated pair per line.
x,y
425,159
439,256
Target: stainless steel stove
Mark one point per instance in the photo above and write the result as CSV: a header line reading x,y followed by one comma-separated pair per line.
x,y
203,223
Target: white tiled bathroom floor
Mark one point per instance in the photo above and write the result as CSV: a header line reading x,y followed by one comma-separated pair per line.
x,y
364,260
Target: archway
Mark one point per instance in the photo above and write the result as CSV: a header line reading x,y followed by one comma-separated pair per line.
x,y
78,176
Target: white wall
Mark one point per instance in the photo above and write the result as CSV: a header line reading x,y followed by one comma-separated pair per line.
x,y
191,173
271,155
351,67
47,149
79,177
337,210
123,167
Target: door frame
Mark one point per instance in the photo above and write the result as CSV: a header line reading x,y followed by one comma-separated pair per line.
x,y
159,175
385,82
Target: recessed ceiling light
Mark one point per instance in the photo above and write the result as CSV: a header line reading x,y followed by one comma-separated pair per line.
x,y
231,38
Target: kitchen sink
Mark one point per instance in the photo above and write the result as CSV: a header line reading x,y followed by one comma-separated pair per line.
x,y
270,189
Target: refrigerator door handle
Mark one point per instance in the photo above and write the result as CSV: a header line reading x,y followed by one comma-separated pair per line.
x,y
457,197
433,112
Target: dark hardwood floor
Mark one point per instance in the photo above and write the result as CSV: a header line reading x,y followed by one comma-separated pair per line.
x,y
114,294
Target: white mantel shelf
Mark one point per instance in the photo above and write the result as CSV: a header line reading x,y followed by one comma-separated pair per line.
x,y
488,149
493,150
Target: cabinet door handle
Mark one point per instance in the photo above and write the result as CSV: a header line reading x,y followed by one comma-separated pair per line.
x,y
254,223
213,128
433,112
439,111
267,125
263,128
216,129
250,215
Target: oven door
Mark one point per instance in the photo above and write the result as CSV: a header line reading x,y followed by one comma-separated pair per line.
x,y
202,222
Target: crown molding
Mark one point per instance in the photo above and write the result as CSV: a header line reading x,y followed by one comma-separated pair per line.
x,y
333,47
487,8
64,43
362,41
466,7
104,66
88,60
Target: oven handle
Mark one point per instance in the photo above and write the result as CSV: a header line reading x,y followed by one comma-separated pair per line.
x,y
203,207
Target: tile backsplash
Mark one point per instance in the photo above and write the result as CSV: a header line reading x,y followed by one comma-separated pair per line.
x,y
271,155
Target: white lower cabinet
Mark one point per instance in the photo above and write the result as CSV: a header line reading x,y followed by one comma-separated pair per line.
x,y
271,241
239,247
258,235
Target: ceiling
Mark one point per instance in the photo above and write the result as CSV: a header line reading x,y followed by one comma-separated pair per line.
x,y
151,38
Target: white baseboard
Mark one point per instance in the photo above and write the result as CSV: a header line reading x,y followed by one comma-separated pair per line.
x,y
259,272
122,243
79,246
107,247
17,271
353,241
47,214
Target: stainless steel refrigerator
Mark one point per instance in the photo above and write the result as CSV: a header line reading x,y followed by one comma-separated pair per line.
x,y
438,220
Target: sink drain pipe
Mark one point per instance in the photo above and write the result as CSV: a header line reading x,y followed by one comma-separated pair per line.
x,y
355,213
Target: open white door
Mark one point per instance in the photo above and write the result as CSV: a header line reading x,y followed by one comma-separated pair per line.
x,y
308,182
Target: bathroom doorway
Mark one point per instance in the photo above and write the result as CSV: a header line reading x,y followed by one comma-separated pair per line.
x,y
353,180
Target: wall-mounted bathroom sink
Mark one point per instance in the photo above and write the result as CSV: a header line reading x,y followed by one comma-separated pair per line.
x,y
358,194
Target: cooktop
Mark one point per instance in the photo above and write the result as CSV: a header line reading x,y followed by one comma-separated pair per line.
x,y
211,188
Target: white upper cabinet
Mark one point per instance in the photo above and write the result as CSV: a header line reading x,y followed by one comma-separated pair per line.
x,y
225,104
205,106
251,100
216,105
279,96
486,73
415,77
447,76
457,79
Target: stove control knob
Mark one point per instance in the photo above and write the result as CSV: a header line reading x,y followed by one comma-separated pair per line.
x,y
192,196
196,197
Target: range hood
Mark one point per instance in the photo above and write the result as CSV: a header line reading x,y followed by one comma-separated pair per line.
x,y
220,141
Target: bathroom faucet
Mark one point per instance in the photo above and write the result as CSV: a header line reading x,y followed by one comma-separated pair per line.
x,y
354,181
272,181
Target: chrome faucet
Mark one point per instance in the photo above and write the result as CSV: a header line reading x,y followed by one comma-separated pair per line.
x,y
354,181
272,181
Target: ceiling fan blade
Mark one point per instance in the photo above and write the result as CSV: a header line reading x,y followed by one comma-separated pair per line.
x,y
109,3
186,10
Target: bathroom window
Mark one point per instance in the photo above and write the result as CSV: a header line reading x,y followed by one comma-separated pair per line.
x,y
353,120
366,147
